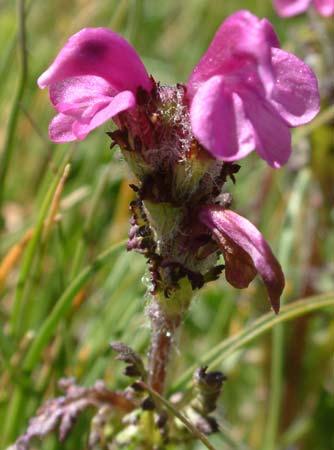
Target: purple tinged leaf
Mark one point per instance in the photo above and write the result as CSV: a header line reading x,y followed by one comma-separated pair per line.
x,y
63,411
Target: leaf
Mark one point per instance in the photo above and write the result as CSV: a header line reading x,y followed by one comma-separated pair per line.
x,y
263,324
135,367
62,412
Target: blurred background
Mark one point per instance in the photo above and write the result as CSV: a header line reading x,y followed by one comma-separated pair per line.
x,y
280,388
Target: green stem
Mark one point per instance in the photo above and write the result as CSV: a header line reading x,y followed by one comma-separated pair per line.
x,y
193,430
82,244
63,305
277,352
47,330
14,114
26,267
226,348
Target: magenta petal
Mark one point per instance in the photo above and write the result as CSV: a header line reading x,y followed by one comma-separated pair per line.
x,y
83,111
121,102
84,89
60,129
295,95
242,40
287,8
273,137
219,123
270,34
238,230
325,7
100,52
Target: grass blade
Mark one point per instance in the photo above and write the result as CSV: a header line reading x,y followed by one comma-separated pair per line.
x,y
262,325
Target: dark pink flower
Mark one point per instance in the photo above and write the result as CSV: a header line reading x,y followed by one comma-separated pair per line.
x,y
94,77
246,93
245,251
288,8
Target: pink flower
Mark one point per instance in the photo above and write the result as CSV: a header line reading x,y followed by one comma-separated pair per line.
x,y
245,251
288,8
94,77
246,93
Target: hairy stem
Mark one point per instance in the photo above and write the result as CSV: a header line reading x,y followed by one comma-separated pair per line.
x,y
164,328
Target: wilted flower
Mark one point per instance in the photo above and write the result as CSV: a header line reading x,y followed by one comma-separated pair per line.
x,y
287,8
245,251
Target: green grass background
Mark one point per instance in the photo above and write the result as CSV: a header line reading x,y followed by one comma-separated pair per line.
x,y
280,388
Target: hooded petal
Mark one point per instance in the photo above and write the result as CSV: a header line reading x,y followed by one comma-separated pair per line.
x,y
295,95
233,233
273,137
325,7
242,40
219,123
99,52
287,8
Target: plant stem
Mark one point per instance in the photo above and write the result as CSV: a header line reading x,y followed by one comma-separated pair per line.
x,y
163,335
170,407
14,114
289,231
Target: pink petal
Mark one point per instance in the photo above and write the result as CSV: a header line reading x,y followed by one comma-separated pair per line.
x,y
295,95
287,8
100,52
273,137
242,40
84,89
219,123
270,35
60,129
231,229
325,7
83,111
121,102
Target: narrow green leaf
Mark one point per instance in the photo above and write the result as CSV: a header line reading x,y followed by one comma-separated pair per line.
x,y
262,325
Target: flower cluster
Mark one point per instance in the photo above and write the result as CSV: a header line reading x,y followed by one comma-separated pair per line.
x,y
287,8
182,141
